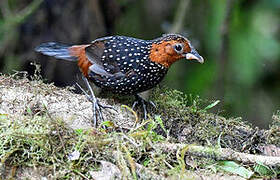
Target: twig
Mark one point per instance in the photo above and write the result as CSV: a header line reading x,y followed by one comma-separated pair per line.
x,y
223,54
80,174
221,154
5,9
131,161
12,20
140,170
130,140
180,16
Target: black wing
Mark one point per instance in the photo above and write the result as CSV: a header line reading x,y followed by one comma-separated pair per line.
x,y
101,64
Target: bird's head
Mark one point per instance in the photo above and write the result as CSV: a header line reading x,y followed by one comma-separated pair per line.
x,y
172,47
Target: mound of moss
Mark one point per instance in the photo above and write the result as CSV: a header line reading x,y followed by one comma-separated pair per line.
x,y
188,121
37,137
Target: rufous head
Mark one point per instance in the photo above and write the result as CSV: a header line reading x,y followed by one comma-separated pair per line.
x,y
172,47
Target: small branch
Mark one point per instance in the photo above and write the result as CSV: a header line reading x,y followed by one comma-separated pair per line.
x,y
5,9
140,170
12,20
221,154
80,174
15,19
180,17
224,50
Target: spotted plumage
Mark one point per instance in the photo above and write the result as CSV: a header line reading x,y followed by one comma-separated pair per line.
x,y
125,65
122,64
125,60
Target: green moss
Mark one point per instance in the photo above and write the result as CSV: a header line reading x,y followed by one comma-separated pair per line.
x,y
274,131
188,121
34,138
39,140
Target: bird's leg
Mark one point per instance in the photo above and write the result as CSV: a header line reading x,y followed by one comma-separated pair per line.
x,y
142,102
96,106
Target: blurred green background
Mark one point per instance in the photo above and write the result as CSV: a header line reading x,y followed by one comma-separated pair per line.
x,y
239,39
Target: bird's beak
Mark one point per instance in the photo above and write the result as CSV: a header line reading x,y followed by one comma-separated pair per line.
x,y
193,55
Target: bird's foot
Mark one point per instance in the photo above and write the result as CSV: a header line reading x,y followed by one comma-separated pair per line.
x,y
142,102
96,106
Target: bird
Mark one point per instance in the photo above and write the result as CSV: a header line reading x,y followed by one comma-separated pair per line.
x,y
123,65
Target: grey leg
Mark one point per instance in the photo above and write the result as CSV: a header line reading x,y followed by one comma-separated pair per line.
x,y
142,102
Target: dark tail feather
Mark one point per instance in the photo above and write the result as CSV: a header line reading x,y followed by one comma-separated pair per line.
x,y
57,50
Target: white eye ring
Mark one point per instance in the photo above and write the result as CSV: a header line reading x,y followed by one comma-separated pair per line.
x,y
179,48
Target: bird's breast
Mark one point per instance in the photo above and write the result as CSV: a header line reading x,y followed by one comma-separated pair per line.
x,y
128,59
134,80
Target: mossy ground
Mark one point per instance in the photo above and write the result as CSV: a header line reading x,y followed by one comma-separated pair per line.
x,y
189,122
33,136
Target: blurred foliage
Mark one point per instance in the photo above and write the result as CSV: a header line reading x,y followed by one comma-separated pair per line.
x,y
11,17
251,84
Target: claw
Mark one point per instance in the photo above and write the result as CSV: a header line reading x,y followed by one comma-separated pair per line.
x,y
153,104
134,104
142,102
108,107
96,106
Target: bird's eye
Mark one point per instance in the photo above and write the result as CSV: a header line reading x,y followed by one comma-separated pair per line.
x,y
178,48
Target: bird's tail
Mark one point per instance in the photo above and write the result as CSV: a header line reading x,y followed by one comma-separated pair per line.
x,y
57,50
